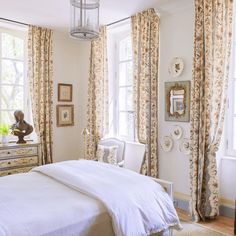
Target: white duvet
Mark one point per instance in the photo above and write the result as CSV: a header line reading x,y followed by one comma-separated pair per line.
x,y
137,205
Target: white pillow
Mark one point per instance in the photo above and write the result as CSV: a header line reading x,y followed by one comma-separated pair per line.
x,y
107,154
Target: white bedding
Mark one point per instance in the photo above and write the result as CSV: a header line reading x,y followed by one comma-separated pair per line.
x,y
50,201
137,205
33,204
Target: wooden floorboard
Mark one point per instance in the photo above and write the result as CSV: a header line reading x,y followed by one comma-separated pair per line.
x,y
221,224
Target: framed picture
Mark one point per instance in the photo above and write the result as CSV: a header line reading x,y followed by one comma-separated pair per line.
x,y
65,115
178,105
177,102
65,92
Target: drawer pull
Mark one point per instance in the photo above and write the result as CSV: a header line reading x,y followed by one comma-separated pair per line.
x,y
9,173
9,163
8,153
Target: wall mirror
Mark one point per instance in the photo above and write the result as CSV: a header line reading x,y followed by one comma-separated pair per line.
x,y
177,101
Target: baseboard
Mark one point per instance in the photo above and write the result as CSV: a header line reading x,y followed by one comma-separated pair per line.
x,y
181,204
227,211
182,201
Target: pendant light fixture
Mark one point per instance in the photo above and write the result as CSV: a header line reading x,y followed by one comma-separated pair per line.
x,y
84,19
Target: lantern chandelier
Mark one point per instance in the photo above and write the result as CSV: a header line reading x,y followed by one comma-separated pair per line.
x,y
84,19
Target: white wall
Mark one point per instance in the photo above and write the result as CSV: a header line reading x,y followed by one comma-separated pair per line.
x,y
226,173
176,40
227,176
71,65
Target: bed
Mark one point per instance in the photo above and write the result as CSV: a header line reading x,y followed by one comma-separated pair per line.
x,y
84,198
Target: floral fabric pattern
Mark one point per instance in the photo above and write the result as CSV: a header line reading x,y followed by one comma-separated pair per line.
x,y
145,36
107,154
41,88
212,46
97,112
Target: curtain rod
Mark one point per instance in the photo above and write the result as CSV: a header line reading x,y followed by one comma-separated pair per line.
x,y
118,21
13,21
22,23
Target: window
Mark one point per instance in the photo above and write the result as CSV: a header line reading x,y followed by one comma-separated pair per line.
x,y
14,93
231,111
121,82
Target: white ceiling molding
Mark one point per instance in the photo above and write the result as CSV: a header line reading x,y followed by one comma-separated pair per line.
x,y
56,14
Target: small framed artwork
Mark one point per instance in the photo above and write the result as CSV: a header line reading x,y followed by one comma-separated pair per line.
x,y
178,105
65,115
65,92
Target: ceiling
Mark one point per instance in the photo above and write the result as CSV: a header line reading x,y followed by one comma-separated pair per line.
x,y
55,14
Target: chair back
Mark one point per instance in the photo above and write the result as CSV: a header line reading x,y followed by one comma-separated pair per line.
x,y
134,155
115,142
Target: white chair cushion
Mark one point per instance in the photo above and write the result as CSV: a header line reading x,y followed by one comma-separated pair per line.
x,y
107,154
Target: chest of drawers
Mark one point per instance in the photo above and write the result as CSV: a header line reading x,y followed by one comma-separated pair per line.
x,y
19,158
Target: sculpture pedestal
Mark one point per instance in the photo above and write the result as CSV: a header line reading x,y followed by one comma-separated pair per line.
x,y
21,140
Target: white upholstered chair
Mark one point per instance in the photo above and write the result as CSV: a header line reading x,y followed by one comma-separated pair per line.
x,y
120,151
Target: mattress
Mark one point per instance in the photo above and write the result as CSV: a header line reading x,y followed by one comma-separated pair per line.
x,y
50,205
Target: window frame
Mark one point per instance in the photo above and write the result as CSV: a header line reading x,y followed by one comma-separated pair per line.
x,y
22,34
117,37
231,104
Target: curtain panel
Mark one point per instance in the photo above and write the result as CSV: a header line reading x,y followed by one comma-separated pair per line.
x,y
145,38
40,80
212,46
97,111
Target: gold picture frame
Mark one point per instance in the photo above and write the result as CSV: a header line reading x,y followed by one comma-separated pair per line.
x,y
65,115
65,92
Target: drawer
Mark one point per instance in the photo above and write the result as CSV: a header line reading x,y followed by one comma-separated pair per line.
x,y
15,171
18,152
23,161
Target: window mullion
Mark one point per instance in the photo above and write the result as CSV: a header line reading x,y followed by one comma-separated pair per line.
x,y
0,76
116,110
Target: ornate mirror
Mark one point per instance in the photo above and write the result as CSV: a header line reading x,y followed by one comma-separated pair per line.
x,y
177,101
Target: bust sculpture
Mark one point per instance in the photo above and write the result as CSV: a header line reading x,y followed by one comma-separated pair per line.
x,y
21,128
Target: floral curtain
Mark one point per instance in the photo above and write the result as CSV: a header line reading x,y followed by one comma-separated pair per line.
x,y
213,24
40,79
97,112
145,37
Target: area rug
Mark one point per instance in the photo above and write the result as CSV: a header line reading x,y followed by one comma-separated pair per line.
x,y
192,229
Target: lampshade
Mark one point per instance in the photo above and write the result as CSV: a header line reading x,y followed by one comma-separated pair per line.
x,y
84,19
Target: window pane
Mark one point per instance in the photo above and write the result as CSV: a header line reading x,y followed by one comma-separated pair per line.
x,y
125,49
12,47
126,99
12,97
234,59
12,72
7,117
234,133
126,125
126,73
234,98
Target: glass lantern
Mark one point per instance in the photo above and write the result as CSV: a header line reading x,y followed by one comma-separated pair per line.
x,y
84,19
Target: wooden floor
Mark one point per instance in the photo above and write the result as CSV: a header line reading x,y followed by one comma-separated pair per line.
x,y
222,224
